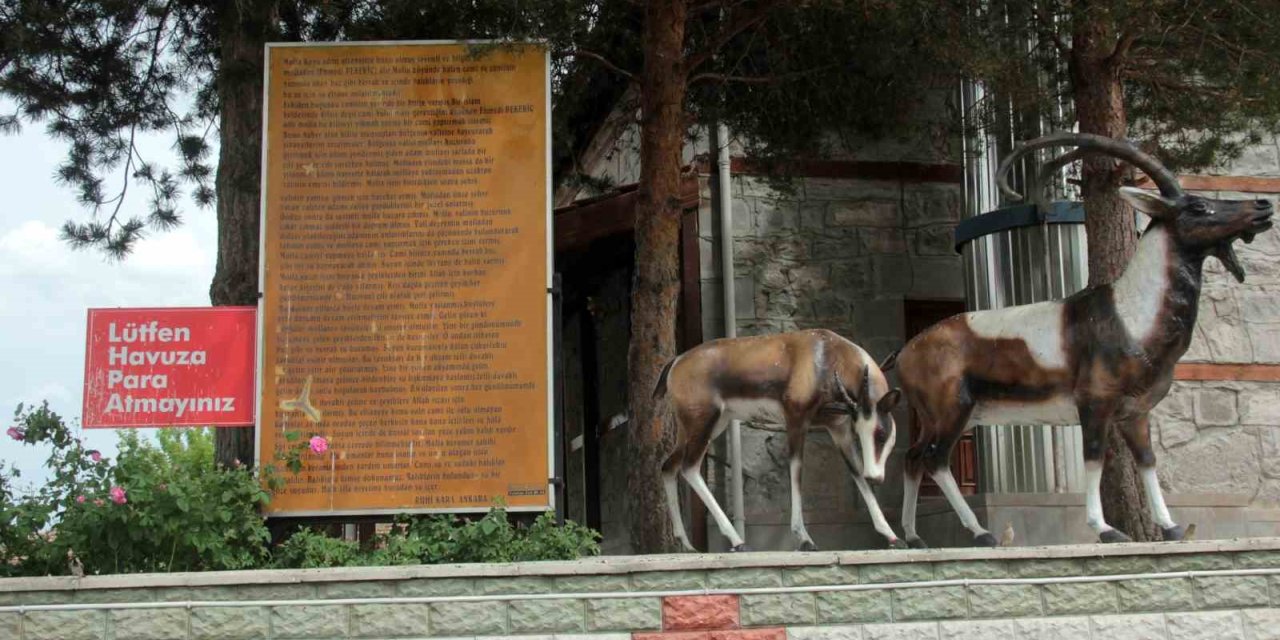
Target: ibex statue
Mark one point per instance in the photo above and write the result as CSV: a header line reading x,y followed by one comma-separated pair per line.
x,y
796,380
1101,358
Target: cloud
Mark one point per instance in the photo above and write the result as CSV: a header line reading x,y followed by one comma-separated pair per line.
x,y
48,286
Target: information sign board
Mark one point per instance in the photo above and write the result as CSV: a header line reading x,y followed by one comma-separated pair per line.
x,y
406,254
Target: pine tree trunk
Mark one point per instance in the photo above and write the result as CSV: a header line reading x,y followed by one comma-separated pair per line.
x,y
656,284
244,27
1111,237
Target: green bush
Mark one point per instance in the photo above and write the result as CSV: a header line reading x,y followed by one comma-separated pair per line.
x,y
167,507
162,507
445,540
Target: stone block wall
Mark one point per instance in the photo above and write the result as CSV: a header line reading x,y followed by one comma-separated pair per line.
x,y
1204,589
840,254
1235,424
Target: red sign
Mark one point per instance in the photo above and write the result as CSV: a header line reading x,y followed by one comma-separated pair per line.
x,y
175,367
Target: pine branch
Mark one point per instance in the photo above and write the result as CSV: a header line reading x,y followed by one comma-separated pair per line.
x,y
1158,81
1123,45
1050,31
722,77
737,25
606,62
695,9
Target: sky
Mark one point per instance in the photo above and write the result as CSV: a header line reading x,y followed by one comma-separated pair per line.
x,y
46,287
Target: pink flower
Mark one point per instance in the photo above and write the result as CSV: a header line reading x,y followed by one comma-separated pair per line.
x,y
95,456
80,499
117,495
319,444
16,433
97,502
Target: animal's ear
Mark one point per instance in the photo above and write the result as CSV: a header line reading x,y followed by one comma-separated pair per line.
x,y
1149,202
889,400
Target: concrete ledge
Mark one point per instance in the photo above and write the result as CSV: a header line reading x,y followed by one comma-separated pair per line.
x,y
615,565
1201,589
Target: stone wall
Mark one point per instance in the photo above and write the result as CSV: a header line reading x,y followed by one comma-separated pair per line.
x,y
1241,322
1223,590
840,254
1220,437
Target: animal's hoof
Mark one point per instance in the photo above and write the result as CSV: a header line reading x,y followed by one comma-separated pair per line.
x,y
807,545
1113,535
1174,533
985,540
897,543
738,549
916,543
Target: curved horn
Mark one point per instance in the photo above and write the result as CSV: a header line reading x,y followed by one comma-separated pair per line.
x,y
1088,142
1048,169
844,393
866,387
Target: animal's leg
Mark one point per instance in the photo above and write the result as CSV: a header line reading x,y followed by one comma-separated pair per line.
x,y
843,437
670,469
795,445
913,474
1095,418
1137,435
692,465
933,454
910,496
877,517
947,483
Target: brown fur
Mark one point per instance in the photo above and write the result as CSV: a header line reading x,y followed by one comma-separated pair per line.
x,y
815,377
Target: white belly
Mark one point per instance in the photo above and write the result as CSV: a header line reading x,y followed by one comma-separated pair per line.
x,y
1060,410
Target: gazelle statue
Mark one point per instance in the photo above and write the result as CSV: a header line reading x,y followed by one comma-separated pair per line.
x,y
1101,358
796,380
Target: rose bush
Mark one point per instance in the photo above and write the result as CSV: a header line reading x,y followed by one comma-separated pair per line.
x,y
167,507
163,507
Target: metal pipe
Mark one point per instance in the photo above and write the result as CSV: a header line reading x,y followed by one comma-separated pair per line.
x,y
923,584
724,197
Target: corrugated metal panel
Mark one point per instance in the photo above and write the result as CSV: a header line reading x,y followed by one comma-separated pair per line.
x,y
1013,267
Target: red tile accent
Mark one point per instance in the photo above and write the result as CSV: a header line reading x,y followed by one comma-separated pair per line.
x,y
688,613
1226,371
751,634
682,635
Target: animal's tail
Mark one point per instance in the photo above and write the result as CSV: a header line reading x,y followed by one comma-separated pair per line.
x,y
890,361
661,388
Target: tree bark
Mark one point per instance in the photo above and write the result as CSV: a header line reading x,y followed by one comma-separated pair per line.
x,y
244,27
1111,235
656,285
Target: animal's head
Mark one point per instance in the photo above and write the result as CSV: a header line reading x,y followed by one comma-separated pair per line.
x,y
1205,226
1197,225
874,430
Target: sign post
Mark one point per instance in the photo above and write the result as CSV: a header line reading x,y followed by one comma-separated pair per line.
x,y
406,251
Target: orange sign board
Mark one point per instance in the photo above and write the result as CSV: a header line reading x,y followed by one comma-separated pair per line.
x,y
405,276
